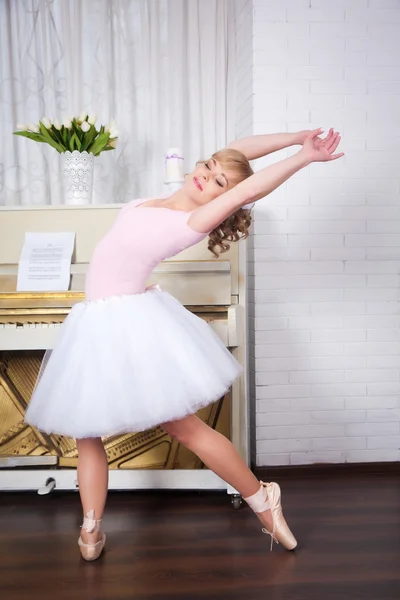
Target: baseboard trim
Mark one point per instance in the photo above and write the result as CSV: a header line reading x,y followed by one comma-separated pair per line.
x,y
318,470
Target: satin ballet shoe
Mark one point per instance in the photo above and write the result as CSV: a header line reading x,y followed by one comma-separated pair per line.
x,y
268,497
91,551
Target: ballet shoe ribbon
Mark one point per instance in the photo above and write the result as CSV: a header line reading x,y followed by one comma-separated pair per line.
x,y
89,522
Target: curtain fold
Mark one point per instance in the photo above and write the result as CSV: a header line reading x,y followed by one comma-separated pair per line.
x,y
163,69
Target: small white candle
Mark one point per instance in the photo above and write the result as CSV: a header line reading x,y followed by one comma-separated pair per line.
x,y
174,166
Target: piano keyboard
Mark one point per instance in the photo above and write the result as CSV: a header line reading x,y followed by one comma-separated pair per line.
x,y
28,336
42,336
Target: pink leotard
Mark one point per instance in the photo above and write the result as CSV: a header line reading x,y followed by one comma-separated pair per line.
x,y
140,238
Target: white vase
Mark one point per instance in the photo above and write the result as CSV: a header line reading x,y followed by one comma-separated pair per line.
x,y
78,177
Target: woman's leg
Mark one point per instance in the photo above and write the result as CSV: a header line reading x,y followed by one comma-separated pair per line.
x,y
219,455
92,481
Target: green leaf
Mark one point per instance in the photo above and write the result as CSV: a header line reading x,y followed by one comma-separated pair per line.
x,y
89,138
72,143
49,139
46,132
77,142
47,135
99,144
36,137
68,138
78,131
56,134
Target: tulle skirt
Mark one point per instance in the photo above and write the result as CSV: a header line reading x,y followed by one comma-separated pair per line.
x,y
128,363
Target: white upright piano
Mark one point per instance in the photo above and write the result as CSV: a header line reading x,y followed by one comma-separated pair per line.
x,y
29,324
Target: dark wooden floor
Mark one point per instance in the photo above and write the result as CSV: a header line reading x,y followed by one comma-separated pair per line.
x,y
194,545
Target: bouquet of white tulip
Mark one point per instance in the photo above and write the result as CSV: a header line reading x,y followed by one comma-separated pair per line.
x,y
76,133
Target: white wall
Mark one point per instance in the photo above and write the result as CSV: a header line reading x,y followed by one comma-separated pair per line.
x,y
326,259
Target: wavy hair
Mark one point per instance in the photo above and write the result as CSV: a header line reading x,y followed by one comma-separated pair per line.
x,y
236,226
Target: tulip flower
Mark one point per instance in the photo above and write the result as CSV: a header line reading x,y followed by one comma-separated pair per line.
x,y
67,136
85,126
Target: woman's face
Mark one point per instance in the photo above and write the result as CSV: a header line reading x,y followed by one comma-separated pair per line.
x,y
208,181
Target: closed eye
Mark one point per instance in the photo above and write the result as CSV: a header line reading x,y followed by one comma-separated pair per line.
x,y
220,179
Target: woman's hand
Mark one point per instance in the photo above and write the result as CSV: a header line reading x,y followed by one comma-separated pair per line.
x,y
303,135
318,149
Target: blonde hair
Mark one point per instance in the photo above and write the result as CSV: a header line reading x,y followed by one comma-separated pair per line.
x,y
235,227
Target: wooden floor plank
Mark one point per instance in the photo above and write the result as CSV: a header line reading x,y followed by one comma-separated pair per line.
x,y
190,546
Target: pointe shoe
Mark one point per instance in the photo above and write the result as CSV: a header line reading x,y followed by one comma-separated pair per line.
x,y
269,497
91,551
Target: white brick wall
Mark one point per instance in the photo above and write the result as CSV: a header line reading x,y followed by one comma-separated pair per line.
x,y
325,251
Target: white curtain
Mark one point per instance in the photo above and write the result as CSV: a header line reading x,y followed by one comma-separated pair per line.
x,y
163,69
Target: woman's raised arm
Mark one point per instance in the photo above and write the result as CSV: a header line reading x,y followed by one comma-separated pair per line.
x,y
256,146
210,215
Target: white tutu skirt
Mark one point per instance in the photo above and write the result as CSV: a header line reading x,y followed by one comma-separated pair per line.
x,y
128,363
